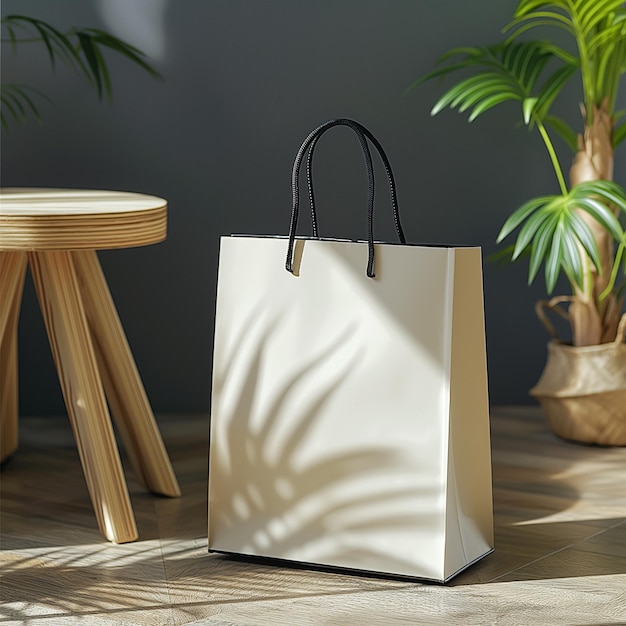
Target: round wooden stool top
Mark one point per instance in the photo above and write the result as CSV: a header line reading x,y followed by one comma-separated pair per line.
x,y
73,219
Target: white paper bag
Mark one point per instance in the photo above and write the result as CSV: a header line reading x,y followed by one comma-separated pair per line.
x,y
349,422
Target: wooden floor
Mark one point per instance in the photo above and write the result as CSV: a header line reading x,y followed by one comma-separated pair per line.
x,y
560,557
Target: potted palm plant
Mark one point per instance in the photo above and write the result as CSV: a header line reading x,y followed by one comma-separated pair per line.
x,y
575,232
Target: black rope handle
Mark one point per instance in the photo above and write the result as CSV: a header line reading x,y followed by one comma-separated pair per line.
x,y
313,136
309,144
388,170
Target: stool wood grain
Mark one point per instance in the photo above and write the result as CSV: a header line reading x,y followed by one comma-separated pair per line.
x,y
12,270
58,232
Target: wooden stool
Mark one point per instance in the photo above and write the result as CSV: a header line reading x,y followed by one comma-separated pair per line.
x,y
57,232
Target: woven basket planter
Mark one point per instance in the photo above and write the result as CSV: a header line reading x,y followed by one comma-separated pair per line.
x,y
582,391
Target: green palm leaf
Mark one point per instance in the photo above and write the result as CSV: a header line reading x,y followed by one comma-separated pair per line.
x,y
520,25
102,39
92,58
572,261
511,71
554,259
521,215
585,236
556,234
528,232
473,91
18,103
57,44
592,13
541,246
81,49
599,29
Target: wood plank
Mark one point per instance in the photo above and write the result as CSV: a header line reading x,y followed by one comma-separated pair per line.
x,y
560,518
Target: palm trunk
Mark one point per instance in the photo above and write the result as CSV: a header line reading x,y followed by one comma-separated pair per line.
x,y
594,322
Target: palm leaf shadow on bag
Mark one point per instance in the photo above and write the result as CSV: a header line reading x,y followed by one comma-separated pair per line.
x,y
274,502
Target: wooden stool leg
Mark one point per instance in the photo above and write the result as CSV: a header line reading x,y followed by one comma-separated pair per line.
x,y
125,392
12,270
70,339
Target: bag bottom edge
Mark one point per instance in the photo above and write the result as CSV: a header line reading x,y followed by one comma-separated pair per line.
x,y
335,569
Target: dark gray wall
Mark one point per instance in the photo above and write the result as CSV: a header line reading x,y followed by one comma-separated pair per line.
x,y
245,81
